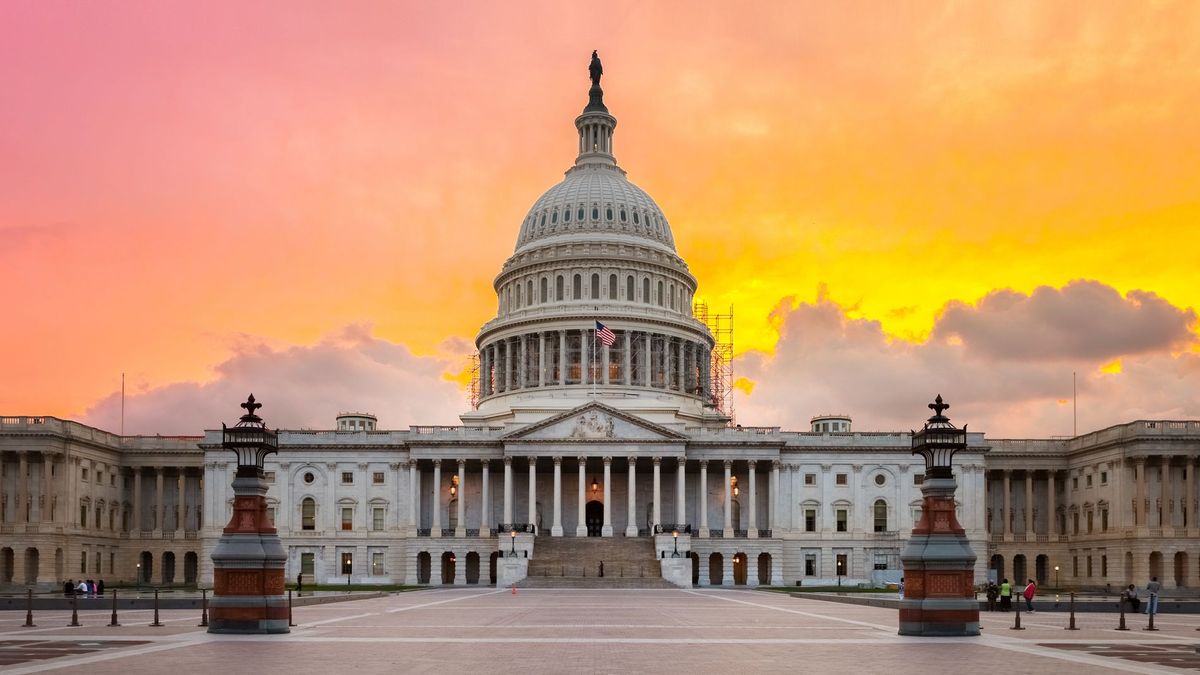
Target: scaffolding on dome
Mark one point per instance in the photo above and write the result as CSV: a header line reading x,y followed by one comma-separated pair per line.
x,y
721,327
474,387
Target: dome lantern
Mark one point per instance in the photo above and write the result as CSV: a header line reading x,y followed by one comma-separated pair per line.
x,y
595,125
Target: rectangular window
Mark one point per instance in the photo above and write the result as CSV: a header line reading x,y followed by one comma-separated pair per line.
x,y
83,516
810,565
347,478
1089,480
347,518
83,562
1075,483
1075,522
377,478
307,563
840,479
100,477
377,519
1104,478
842,563
377,563
810,479
918,479
269,476
98,559
1104,520
1104,566
1089,566
1075,565
347,562
841,520
881,561
112,480
810,520
85,473
1091,518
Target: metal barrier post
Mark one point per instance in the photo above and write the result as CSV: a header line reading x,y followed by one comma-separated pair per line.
x,y
1071,626
156,623
114,621
29,609
1017,618
290,622
1151,625
1121,622
74,610
203,607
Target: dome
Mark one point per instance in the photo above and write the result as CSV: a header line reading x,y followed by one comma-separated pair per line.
x,y
595,199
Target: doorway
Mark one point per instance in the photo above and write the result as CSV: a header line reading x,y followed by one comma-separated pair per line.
x,y
739,569
594,518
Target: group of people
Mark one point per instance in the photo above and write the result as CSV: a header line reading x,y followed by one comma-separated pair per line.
x,y
1003,592
1130,595
83,587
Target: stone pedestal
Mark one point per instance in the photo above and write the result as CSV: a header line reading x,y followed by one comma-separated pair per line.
x,y
248,565
939,570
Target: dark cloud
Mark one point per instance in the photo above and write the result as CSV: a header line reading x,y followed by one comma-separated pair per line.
x,y
1082,320
826,361
300,386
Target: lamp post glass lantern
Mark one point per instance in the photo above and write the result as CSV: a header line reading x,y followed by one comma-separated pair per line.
x,y
514,543
938,441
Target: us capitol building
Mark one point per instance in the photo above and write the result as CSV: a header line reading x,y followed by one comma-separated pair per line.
x,y
581,456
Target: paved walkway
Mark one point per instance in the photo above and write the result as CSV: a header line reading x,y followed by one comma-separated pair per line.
x,y
600,631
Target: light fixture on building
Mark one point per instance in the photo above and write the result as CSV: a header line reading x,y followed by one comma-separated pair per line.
x,y
453,486
595,486
736,490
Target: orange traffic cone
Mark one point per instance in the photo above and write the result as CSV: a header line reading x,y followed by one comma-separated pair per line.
x,y
514,587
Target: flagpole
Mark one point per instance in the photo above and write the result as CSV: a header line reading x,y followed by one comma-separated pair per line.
x,y
595,335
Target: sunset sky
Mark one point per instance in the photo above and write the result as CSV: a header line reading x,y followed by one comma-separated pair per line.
x,y
310,200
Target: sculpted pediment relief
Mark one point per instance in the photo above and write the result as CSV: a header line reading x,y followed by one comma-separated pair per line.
x,y
595,421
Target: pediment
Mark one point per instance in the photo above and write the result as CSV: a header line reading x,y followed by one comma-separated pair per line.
x,y
595,422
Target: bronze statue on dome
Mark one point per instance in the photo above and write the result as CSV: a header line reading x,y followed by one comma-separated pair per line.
x,y
595,69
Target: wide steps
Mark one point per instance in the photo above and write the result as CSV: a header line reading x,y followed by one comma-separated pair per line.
x,y
574,562
592,582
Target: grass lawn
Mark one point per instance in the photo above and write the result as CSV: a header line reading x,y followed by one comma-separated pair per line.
x,y
824,589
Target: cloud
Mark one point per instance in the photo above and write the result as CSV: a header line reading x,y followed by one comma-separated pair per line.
x,y
1084,319
998,382
303,386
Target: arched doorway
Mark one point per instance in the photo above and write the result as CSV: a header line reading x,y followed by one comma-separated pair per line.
x,y
448,561
764,569
716,569
190,561
998,566
60,564
492,567
695,567
32,558
1156,564
147,563
594,518
1041,565
168,568
6,565
424,563
472,568
1019,576
739,569
1181,569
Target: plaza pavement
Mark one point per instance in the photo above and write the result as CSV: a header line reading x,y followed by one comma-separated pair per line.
x,y
593,631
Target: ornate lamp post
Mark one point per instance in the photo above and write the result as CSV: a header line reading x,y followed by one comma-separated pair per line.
x,y
248,561
939,565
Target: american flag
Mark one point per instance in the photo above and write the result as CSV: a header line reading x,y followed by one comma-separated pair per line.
x,y
605,335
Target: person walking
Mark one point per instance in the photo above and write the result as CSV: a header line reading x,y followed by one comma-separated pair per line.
x,y
900,587
100,587
993,592
1030,591
299,583
69,587
1005,595
1153,589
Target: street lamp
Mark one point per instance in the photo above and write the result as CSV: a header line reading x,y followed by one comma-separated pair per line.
x,y
938,442
514,543
139,577
675,535
1056,584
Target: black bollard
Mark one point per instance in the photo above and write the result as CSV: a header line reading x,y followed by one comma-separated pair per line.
x,y
203,607
29,609
156,623
1121,622
75,611
1071,626
114,621
290,622
1150,626
1017,618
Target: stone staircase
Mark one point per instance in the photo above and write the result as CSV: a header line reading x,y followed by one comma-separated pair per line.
x,y
574,562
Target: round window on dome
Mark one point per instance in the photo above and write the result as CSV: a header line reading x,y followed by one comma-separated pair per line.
x,y
308,477
595,213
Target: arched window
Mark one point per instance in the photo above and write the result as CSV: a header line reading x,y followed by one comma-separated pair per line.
x,y
660,294
671,295
636,219
622,215
518,294
612,287
595,213
595,286
608,213
308,514
579,214
544,289
577,287
629,288
567,215
554,217
558,288
881,516
529,291
646,291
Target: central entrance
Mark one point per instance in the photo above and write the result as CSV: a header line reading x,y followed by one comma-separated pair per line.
x,y
594,518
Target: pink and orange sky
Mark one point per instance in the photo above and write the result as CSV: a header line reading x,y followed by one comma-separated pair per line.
x,y
310,200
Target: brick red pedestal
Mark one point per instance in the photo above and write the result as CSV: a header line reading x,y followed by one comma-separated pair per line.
x,y
939,570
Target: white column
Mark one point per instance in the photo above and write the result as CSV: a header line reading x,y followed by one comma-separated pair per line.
x,y
1052,506
681,491
213,520
508,492
703,502
556,530
657,514
631,528
160,506
485,499
774,501
752,527
581,524
461,529
414,496
435,527
533,491
728,499
606,530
